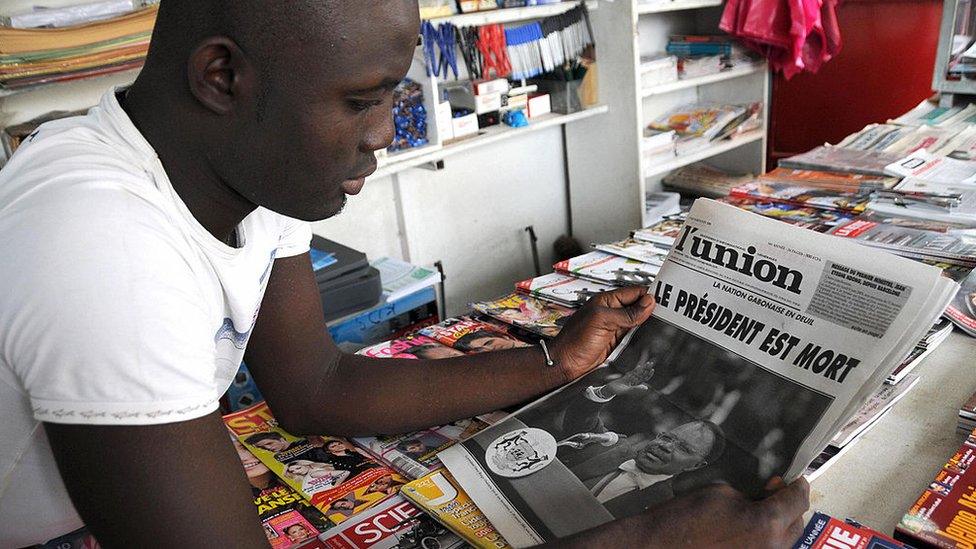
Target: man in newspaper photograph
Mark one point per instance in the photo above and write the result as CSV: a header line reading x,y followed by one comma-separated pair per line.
x,y
670,414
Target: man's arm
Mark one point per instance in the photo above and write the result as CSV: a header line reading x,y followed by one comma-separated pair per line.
x,y
170,485
315,388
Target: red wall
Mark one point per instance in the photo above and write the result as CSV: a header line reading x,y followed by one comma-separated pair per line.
x,y
884,69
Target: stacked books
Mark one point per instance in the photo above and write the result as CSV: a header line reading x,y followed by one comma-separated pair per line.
x,y
30,57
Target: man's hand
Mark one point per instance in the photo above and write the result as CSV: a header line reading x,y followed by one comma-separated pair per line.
x,y
715,516
634,381
592,333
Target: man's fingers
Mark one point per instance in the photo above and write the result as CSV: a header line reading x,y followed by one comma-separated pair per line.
x,y
786,504
621,297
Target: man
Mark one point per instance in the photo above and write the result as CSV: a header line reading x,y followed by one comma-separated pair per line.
x,y
140,241
637,473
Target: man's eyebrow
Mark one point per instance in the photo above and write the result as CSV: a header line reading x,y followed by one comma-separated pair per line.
x,y
386,85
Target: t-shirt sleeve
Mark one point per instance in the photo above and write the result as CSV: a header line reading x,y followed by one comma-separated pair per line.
x,y
296,236
107,322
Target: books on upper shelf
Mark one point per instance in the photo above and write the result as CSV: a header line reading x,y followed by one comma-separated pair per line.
x,y
705,181
439,495
814,219
709,121
829,158
526,312
942,515
909,242
803,195
645,252
935,336
288,519
36,56
339,479
663,232
962,310
401,278
393,524
561,289
412,346
799,329
826,532
471,336
609,269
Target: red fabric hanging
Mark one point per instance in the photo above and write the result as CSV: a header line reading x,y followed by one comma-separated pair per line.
x,y
794,35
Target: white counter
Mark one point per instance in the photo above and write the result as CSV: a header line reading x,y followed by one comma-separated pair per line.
x,y
883,474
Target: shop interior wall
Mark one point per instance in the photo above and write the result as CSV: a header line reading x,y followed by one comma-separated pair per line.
x,y
883,70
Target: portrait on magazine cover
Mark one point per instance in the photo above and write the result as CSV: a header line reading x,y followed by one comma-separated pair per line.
x,y
669,414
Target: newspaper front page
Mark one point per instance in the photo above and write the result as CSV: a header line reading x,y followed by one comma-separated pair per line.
x,y
765,340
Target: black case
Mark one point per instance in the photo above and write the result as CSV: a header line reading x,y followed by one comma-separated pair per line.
x,y
349,284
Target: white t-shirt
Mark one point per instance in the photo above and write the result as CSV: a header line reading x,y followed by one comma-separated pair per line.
x,y
116,306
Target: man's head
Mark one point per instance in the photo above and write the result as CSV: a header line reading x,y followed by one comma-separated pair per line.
x,y
285,101
687,447
272,442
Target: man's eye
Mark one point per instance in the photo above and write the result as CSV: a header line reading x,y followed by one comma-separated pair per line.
x,y
361,105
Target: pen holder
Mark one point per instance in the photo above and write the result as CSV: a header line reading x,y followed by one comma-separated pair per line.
x,y
563,94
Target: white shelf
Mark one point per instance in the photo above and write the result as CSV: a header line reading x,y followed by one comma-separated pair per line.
x,y
675,5
509,15
703,80
395,163
708,152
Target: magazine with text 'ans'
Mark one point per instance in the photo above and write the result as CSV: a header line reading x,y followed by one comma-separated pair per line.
x,y
609,269
339,479
766,339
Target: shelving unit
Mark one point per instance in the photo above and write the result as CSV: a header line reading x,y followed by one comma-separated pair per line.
x,y
704,80
608,148
644,8
509,15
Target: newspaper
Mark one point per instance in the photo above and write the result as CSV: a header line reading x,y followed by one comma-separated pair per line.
x,y
766,339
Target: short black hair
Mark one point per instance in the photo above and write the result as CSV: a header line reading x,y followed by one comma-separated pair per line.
x,y
254,439
464,342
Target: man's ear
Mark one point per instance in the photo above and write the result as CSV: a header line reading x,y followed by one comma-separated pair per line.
x,y
220,75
